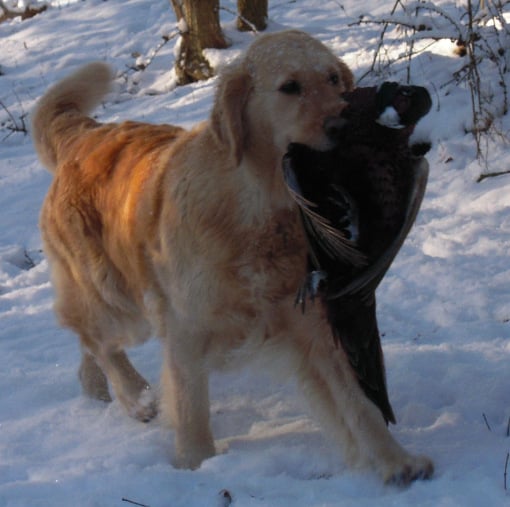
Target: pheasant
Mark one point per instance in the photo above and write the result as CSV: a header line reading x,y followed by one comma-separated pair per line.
x,y
358,203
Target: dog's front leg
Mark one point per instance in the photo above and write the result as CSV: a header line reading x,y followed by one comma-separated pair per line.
x,y
185,403
353,420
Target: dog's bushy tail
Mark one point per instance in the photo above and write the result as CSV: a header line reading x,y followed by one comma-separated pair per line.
x,y
64,107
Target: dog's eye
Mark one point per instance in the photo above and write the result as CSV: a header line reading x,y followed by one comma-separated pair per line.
x,y
291,87
334,79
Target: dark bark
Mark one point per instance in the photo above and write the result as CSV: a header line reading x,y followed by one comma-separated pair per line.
x,y
252,15
28,12
200,29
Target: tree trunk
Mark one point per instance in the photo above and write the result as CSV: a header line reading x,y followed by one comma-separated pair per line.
x,y
252,15
199,23
28,12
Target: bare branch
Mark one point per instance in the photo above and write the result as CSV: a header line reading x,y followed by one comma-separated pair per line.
x,y
252,27
134,503
14,125
486,422
506,468
491,175
154,52
482,35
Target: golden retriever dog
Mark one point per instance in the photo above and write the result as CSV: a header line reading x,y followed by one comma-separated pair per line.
x,y
192,236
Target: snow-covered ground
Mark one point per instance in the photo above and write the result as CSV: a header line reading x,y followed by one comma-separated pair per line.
x,y
444,307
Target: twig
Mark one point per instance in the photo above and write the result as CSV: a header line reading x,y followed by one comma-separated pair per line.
x,y
508,428
481,178
156,50
14,126
252,27
381,36
506,468
225,498
140,67
9,114
134,503
391,21
486,422
431,7
29,262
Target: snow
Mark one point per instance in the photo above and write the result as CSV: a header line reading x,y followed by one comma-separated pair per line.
x,y
444,307
390,118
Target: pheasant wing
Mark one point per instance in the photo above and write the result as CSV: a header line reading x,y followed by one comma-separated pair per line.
x,y
364,285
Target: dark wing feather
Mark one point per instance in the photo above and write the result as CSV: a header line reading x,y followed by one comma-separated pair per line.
x,y
319,230
355,325
366,282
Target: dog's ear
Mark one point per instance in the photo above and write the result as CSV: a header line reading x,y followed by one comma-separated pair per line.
x,y
347,76
227,117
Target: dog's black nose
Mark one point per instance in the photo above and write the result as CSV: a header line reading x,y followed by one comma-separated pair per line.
x,y
333,126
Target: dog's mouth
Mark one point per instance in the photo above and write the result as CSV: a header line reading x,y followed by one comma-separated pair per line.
x,y
300,155
328,136
302,167
334,127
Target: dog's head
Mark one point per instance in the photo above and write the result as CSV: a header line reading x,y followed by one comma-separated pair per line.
x,y
287,89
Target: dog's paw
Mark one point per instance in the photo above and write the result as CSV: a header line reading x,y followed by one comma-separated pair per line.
x,y
410,469
192,459
146,407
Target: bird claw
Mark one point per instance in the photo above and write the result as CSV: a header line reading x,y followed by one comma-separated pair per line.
x,y
310,288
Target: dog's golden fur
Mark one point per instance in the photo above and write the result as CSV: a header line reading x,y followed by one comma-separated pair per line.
x,y
192,236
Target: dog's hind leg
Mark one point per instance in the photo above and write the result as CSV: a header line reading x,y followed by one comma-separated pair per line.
x,y
130,388
92,378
